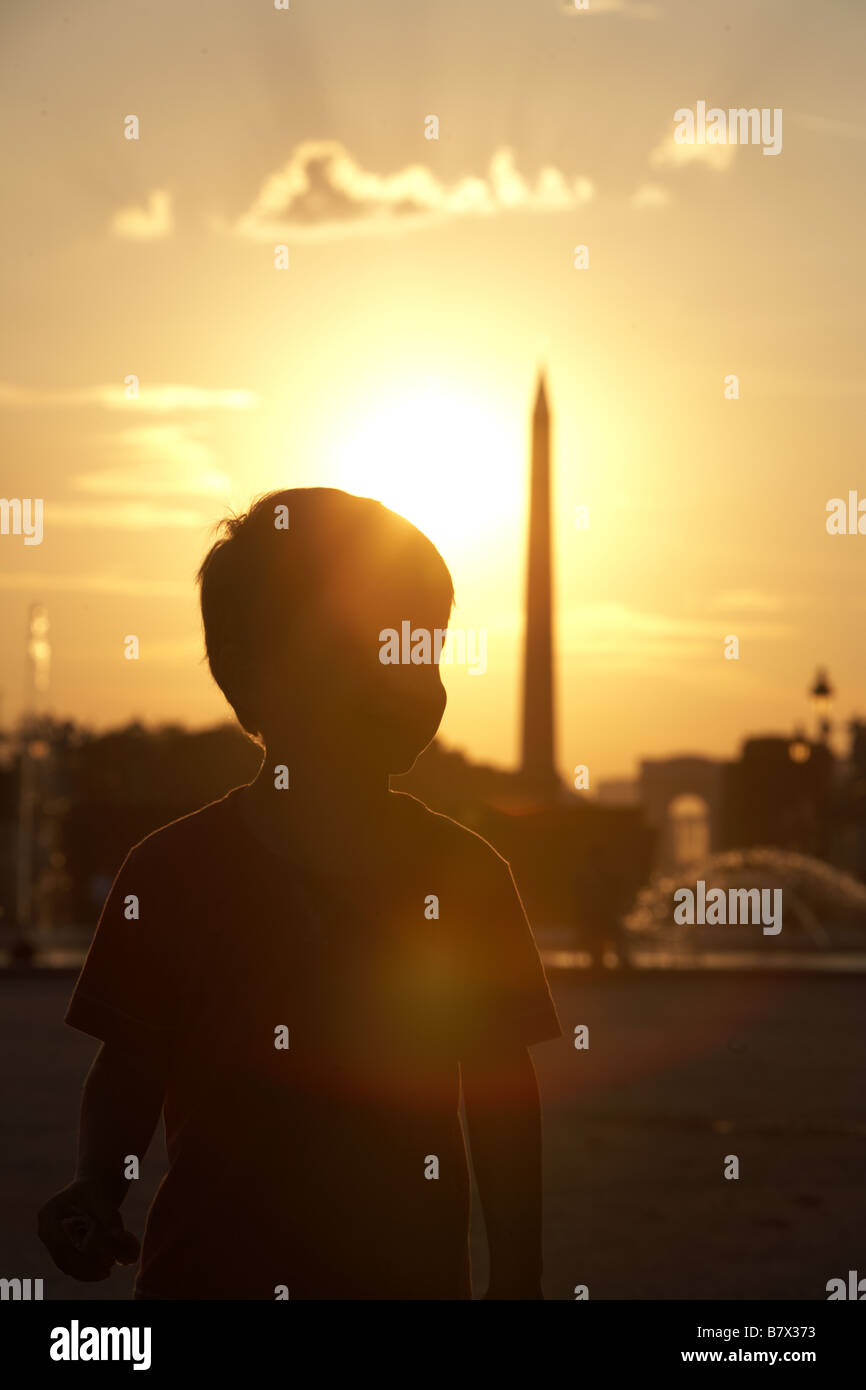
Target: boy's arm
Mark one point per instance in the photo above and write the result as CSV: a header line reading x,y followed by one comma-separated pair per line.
x,y
120,1109
81,1226
503,1114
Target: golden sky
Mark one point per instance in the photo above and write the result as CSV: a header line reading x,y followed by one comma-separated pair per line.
x,y
396,355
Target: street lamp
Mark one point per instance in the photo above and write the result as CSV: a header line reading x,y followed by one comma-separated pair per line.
x,y
821,698
33,752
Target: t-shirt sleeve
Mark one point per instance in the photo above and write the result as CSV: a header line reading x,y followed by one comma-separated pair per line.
x,y
131,991
506,998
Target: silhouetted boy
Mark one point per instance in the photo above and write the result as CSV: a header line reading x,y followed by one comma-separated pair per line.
x,y
300,972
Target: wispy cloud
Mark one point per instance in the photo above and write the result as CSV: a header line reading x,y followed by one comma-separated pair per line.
x,y
827,125
669,154
616,630
771,382
649,195
122,586
124,516
629,9
323,191
166,460
748,601
160,399
149,223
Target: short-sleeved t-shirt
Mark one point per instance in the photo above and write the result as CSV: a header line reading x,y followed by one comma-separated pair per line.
x,y
310,1029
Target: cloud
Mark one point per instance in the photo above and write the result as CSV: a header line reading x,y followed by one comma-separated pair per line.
x,y
748,601
322,190
796,384
156,398
650,195
617,631
145,224
28,581
668,154
158,461
827,125
631,9
123,516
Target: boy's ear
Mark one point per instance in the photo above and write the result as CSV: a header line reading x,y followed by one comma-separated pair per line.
x,y
229,664
237,675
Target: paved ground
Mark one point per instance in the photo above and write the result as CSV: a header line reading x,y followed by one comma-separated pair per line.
x,y
681,1071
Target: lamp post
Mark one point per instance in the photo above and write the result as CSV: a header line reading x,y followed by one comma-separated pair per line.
x,y
33,750
821,699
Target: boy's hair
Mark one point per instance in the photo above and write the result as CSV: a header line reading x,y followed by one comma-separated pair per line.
x,y
339,553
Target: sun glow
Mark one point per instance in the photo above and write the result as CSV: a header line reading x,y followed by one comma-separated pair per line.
x,y
448,462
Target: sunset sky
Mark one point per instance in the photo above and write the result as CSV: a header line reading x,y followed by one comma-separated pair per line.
x,y
397,355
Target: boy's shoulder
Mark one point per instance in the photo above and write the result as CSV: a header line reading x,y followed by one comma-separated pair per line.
x,y
186,838
449,837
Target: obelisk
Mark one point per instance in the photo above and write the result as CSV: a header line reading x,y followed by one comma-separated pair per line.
x,y
538,763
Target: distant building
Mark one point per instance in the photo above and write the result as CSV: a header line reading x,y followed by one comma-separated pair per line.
x,y
618,791
682,798
779,792
850,821
784,791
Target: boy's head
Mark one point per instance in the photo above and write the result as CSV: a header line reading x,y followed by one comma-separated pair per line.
x,y
294,595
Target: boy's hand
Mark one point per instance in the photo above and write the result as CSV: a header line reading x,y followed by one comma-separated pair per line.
x,y
82,1230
